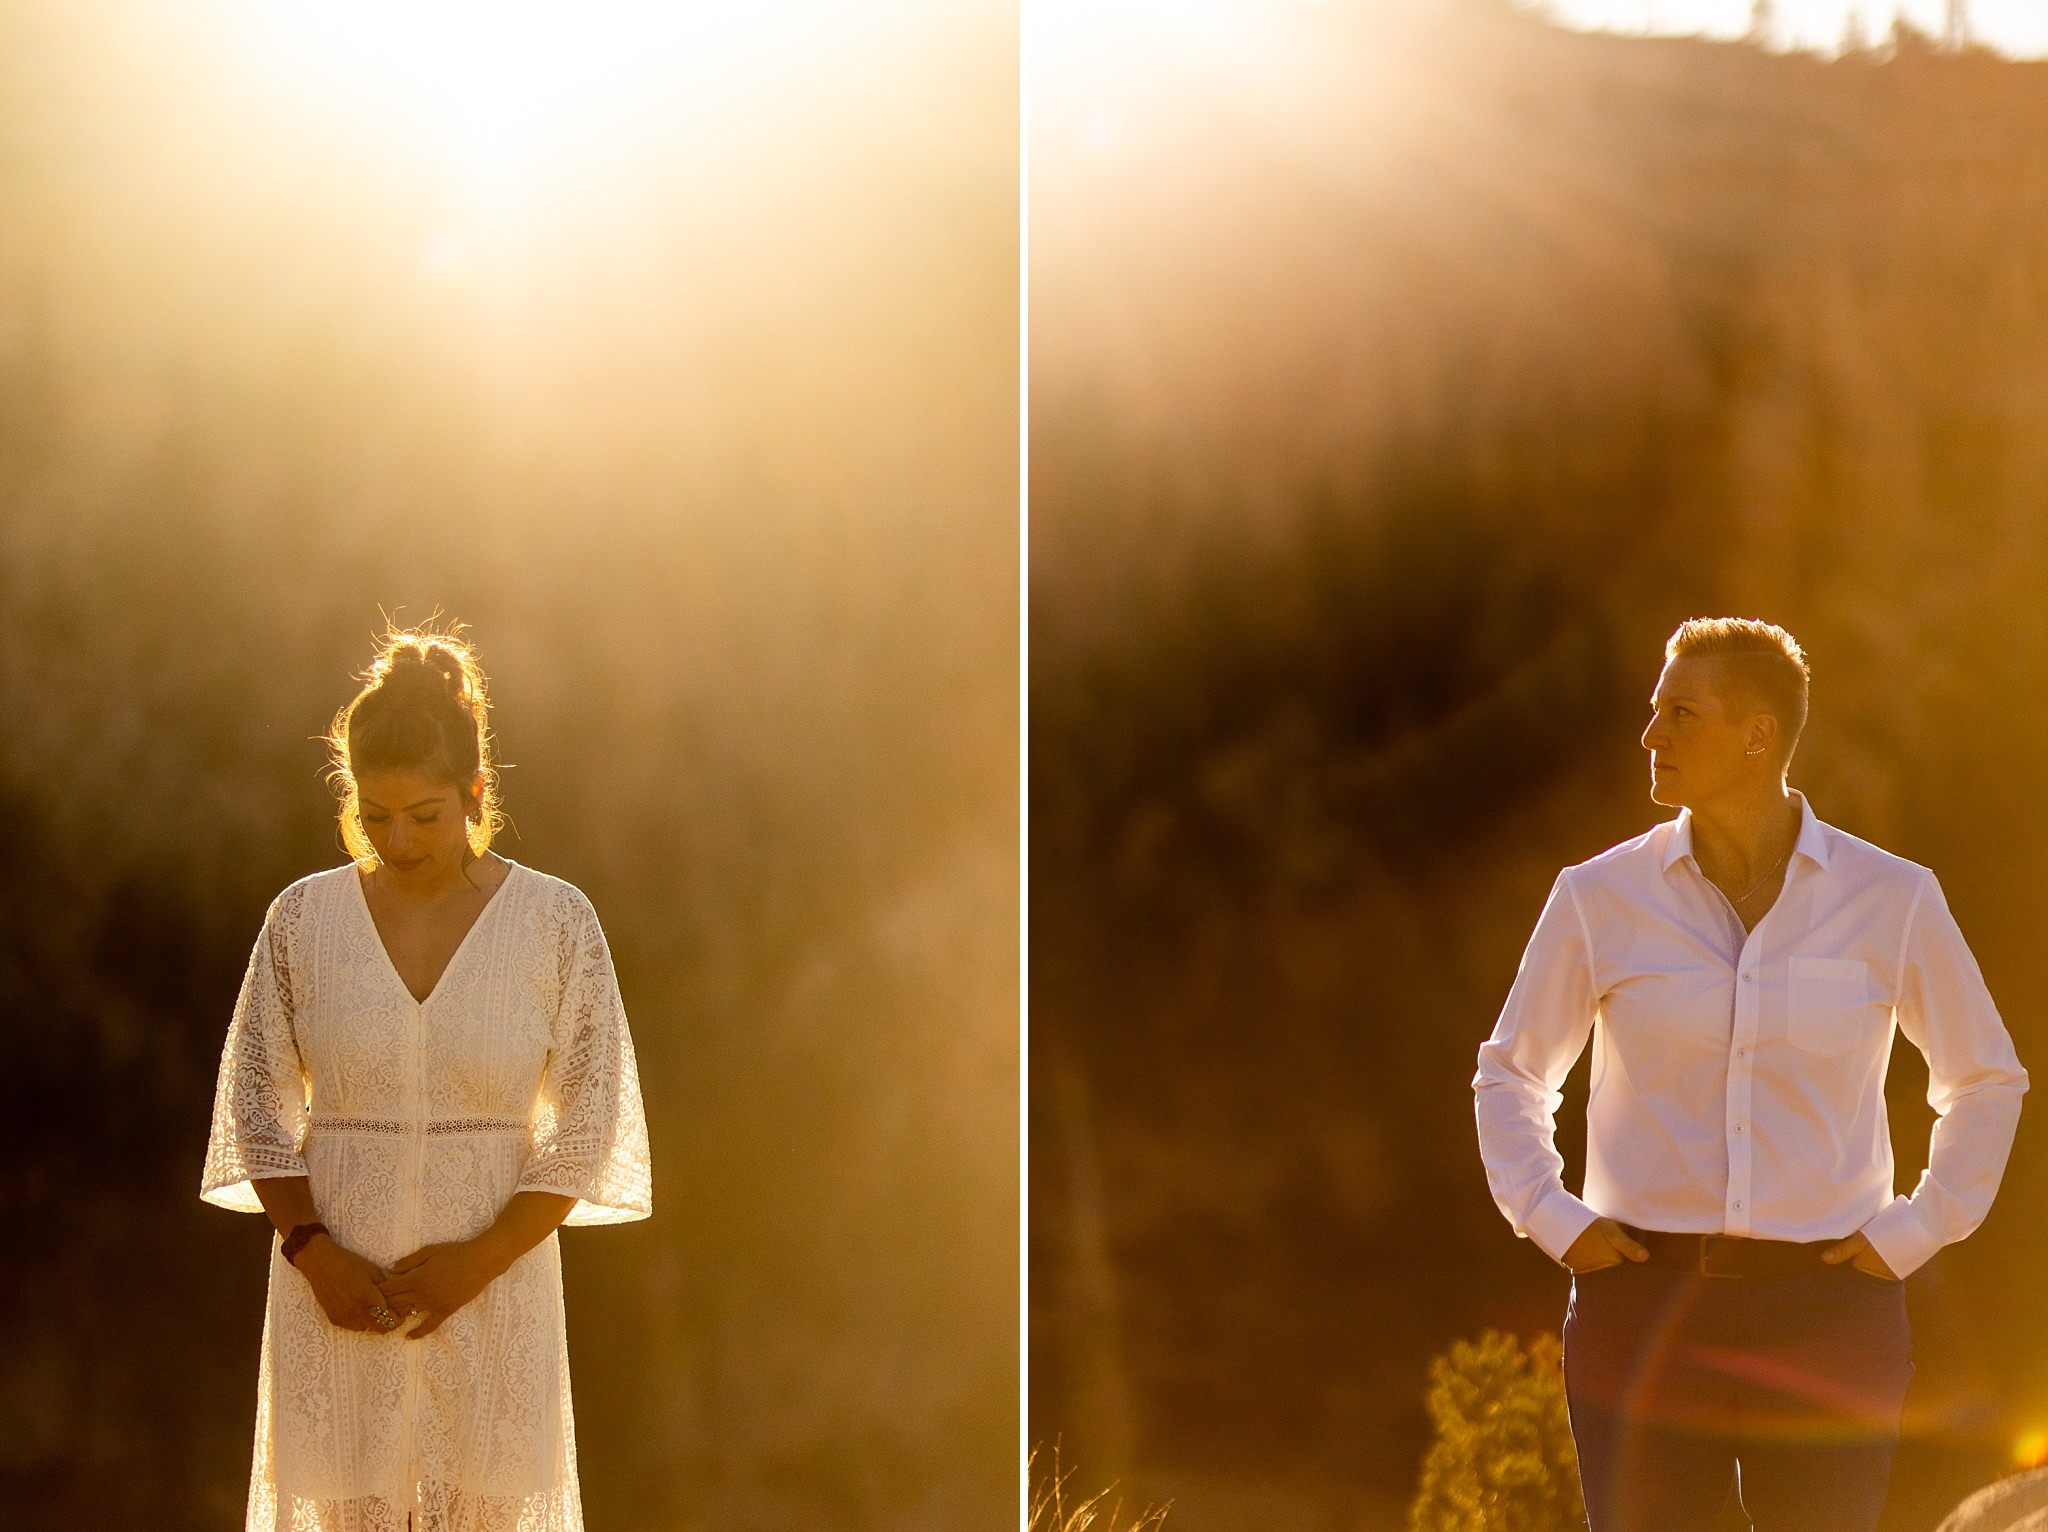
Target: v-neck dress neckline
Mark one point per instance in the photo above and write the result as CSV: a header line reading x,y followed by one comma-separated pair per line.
x,y
440,979
416,1126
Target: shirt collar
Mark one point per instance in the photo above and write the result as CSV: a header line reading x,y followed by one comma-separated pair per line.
x,y
1812,843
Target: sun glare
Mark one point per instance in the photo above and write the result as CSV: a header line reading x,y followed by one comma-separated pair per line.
x,y
2017,27
505,94
1098,64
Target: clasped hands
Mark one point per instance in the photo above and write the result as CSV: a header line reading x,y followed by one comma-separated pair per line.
x,y
427,1286
1605,1243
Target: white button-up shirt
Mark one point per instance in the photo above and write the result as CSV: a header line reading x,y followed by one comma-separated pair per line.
x,y
1738,1079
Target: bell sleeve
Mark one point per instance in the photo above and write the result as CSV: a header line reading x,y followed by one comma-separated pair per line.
x,y
590,1132
260,1101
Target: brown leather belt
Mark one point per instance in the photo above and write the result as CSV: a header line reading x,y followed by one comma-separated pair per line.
x,y
1729,1255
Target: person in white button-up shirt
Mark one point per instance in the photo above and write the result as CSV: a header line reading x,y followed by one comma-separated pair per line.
x,y
1739,972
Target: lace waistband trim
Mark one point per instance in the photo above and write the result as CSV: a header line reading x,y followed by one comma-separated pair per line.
x,y
445,1127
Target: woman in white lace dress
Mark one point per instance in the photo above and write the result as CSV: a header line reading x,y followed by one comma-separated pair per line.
x,y
428,1071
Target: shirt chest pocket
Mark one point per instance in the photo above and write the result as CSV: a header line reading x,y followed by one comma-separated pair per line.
x,y
1830,1008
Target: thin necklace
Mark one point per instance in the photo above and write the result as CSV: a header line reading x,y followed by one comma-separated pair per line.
x,y
1760,882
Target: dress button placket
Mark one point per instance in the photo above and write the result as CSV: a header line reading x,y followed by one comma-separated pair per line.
x,y
416,1171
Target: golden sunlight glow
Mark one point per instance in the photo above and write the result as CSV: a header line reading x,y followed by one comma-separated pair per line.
x,y
507,93
1099,67
2031,1450
1074,42
1121,39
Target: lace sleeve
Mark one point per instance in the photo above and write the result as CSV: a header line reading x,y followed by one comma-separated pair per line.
x,y
259,1104
590,1137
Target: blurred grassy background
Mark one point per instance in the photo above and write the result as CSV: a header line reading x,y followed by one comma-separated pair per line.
x,y
711,436
1401,375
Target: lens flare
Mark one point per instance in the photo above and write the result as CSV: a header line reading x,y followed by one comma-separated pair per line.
x,y
2031,1450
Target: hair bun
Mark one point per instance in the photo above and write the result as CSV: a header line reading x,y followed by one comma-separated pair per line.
x,y
425,667
423,708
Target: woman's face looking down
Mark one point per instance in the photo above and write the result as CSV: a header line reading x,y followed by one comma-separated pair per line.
x,y
418,825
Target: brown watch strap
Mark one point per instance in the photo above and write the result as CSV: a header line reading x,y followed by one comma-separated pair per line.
x,y
296,1241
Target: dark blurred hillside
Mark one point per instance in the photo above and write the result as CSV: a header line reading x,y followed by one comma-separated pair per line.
x,y
716,451
1401,375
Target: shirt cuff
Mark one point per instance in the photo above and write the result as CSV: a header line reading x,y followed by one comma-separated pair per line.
x,y
1900,1238
1557,1220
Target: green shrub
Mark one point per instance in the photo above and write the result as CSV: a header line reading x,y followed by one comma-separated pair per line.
x,y
1503,1458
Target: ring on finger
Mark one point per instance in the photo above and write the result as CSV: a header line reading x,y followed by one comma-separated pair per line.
x,y
384,1317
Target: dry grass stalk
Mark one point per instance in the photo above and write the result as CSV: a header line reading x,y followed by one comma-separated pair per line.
x,y
1050,1512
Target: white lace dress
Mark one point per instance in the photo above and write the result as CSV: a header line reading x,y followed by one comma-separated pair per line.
x,y
417,1121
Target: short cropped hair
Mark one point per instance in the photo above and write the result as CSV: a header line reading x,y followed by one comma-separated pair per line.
x,y
1766,656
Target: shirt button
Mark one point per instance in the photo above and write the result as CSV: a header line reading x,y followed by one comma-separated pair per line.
x,y
1738,1127
1742,1053
1749,978
1738,1206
